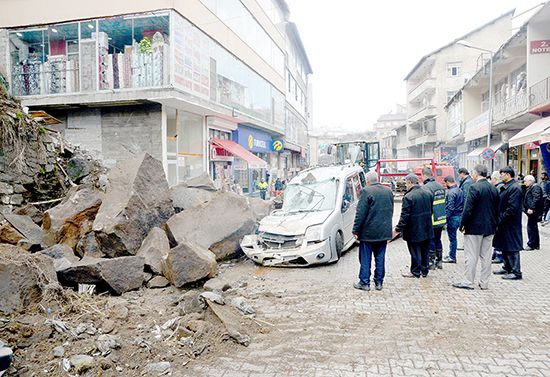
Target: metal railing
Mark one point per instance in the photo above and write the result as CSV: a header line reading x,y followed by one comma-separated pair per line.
x,y
539,93
39,82
512,106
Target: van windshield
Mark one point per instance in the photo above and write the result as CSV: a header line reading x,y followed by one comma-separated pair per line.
x,y
310,197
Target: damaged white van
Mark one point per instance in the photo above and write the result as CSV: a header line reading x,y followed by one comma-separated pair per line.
x,y
315,223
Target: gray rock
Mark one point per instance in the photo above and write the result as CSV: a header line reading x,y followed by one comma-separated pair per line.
x,y
213,297
27,227
108,326
81,363
242,305
158,369
10,235
158,282
218,225
136,201
88,246
78,167
260,208
119,275
216,284
187,263
63,256
106,343
70,220
185,197
59,351
191,302
21,277
16,199
29,210
154,249
6,188
202,181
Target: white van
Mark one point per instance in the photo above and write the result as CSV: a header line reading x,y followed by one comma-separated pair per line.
x,y
315,224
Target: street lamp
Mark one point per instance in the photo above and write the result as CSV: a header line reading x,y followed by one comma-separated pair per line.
x,y
491,55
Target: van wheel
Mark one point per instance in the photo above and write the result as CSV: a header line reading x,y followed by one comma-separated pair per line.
x,y
339,243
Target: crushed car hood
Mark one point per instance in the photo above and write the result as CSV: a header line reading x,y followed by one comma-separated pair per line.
x,y
292,224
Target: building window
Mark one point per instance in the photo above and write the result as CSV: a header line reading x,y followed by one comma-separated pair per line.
x,y
453,69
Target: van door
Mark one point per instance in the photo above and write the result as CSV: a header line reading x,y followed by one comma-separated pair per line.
x,y
349,207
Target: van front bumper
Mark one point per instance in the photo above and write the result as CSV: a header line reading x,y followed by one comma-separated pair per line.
x,y
308,253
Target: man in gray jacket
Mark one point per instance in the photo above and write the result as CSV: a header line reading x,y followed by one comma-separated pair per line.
x,y
373,229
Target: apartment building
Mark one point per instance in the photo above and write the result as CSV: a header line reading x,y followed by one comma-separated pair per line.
x,y
198,84
435,79
516,119
385,130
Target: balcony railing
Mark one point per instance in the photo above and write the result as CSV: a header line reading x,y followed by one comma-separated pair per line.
x,y
517,104
539,93
455,127
477,127
427,85
424,112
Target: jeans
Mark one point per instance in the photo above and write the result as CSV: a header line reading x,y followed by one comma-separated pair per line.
x,y
512,263
533,232
453,223
419,257
366,250
262,194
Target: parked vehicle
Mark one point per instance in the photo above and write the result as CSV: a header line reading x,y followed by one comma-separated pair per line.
x,y
393,171
315,223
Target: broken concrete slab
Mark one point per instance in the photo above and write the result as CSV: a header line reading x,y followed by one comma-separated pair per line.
x,y
118,275
187,263
63,256
185,197
218,225
70,220
24,225
154,248
232,322
22,275
137,200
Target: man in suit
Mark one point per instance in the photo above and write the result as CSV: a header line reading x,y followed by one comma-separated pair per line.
x,y
509,238
373,229
533,206
415,224
479,222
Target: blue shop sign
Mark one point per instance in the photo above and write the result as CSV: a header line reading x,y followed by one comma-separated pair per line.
x,y
253,140
278,145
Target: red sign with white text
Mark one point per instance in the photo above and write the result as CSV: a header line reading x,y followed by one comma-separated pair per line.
x,y
540,47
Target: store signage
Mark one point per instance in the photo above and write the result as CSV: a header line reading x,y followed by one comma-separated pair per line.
x,y
278,145
253,140
540,47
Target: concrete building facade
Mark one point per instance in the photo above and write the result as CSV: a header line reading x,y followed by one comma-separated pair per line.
x,y
186,81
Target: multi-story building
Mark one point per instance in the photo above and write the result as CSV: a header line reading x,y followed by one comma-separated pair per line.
x,y
198,84
434,81
520,95
385,131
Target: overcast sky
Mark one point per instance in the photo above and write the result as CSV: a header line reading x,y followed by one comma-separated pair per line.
x,y
361,50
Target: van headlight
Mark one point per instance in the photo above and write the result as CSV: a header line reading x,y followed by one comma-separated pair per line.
x,y
313,233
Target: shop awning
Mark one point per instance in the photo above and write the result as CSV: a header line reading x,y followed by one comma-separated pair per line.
x,y
531,133
254,162
545,136
477,152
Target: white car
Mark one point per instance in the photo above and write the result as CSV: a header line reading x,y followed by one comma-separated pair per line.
x,y
315,224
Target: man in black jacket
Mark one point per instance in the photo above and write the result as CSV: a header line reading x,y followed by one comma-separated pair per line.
x,y
479,222
533,206
439,219
373,229
415,224
509,238
465,181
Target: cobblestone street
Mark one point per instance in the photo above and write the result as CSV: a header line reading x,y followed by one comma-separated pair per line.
x,y
324,327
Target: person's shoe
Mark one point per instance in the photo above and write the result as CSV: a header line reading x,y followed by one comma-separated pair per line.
x,y
462,286
439,265
460,247
529,248
424,275
361,286
502,271
497,260
432,266
409,275
483,288
378,286
448,259
511,277
544,223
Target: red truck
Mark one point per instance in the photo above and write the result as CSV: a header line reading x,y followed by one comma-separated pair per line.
x,y
392,171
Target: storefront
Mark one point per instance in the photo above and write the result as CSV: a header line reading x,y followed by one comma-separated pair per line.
x,y
261,144
528,141
220,161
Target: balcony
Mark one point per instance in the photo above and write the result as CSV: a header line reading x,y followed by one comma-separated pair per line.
x,y
539,96
511,107
455,128
425,112
424,88
423,138
477,127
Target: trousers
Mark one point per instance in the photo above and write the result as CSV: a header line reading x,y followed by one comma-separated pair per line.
x,y
477,247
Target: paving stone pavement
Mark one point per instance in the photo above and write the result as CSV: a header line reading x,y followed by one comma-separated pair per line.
x,y
324,327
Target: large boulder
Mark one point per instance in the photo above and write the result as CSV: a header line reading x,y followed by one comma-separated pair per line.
x,y
218,225
202,181
154,249
261,208
88,246
136,201
22,276
24,225
79,167
185,197
118,275
10,235
187,263
70,220
62,255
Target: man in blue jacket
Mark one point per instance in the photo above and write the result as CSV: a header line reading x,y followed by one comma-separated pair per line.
x,y
454,205
373,229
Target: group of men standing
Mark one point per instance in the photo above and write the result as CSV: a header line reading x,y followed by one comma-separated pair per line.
x,y
488,213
